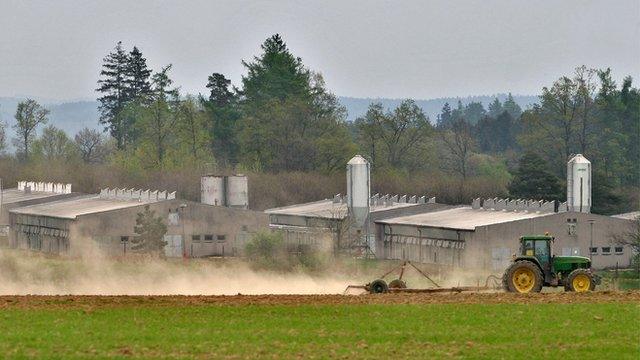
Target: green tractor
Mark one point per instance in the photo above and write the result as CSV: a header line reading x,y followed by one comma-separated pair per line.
x,y
536,267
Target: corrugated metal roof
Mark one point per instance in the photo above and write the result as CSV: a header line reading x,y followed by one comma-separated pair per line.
x,y
628,216
327,209
462,218
10,196
72,208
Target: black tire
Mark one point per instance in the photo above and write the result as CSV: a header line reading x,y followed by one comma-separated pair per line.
x,y
522,265
569,283
397,284
378,287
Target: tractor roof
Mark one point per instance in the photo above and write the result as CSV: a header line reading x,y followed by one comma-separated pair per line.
x,y
536,237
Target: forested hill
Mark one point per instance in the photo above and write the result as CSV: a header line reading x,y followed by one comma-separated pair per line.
x,y
73,116
357,107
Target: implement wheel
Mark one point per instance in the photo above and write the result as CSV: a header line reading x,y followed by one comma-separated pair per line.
x,y
580,280
523,277
378,286
397,284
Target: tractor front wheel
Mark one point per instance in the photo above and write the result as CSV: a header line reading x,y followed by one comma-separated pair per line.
x,y
580,280
523,277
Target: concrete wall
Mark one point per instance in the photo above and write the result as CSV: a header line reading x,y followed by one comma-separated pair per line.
x,y
338,231
5,220
39,233
442,247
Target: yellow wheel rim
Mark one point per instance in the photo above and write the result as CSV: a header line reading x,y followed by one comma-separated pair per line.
x,y
523,280
581,283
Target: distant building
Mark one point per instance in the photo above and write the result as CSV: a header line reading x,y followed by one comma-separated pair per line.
x,y
481,236
106,222
28,193
486,238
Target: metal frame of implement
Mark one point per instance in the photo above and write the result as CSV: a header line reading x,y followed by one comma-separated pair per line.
x,y
491,283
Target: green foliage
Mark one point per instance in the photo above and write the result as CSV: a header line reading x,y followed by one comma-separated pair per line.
x,y
222,117
473,112
533,180
398,138
150,231
3,136
29,115
492,168
268,251
115,93
137,76
54,144
286,113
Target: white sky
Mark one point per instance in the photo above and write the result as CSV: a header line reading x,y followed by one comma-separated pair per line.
x,y
415,49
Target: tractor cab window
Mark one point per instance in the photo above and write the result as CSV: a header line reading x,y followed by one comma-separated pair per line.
x,y
527,248
542,251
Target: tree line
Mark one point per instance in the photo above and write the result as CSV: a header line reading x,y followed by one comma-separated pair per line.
x,y
282,118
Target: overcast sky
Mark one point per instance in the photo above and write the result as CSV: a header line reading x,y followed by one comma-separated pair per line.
x,y
400,49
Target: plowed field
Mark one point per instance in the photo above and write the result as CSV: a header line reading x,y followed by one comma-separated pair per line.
x,y
70,301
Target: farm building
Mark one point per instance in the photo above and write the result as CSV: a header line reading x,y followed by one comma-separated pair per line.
x,y
326,223
486,237
481,236
106,221
28,193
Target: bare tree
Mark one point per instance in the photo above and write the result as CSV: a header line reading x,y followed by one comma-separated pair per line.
x,y
91,145
3,136
29,115
458,143
631,238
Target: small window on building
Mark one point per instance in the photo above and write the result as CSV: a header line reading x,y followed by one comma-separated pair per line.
x,y
606,250
195,238
208,238
124,239
593,250
173,219
221,237
618,250
245,228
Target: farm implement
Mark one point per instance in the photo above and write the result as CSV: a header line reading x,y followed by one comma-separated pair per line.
x,y
398,285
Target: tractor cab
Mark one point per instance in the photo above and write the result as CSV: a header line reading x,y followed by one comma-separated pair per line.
x,y
538,247
536,266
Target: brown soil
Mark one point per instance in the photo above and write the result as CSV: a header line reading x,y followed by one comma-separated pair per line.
x,y
91,302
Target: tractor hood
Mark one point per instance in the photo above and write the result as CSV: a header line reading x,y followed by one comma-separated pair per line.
x,y
568,263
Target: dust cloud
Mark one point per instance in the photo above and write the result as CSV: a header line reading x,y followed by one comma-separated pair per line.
x,y
23,273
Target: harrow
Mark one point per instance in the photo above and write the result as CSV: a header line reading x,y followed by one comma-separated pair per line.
x,y
398,285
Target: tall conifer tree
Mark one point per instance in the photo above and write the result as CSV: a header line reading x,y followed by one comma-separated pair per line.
x,y
113,87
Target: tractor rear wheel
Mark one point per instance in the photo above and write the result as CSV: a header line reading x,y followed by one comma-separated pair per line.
x,y
523,277
580,280
378,286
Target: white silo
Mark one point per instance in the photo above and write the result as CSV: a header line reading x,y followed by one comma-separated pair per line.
x,y
238,191
212,190
579,184
358,189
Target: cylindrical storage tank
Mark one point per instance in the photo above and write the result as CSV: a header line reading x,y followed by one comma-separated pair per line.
x,y
579,184
212,191
358,189
238,191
